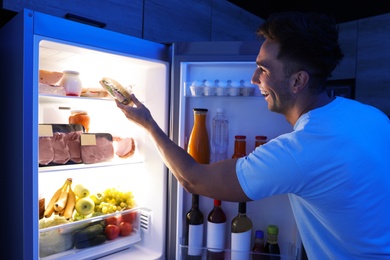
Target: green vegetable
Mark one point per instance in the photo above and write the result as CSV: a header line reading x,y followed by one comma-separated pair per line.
x,y
97,240
88,232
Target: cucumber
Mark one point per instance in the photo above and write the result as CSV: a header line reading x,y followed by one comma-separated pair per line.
x,y
88,232
94,241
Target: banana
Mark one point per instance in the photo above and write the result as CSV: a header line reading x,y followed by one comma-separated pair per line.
x,y
50,207
61,202
69,208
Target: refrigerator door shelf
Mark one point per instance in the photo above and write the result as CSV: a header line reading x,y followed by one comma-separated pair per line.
x,y
66,231
291,255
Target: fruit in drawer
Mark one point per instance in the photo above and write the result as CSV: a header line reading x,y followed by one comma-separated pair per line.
x,y
85,206
81,191
58,200
97,198
113,220
129,217
70,204
125,228
111,231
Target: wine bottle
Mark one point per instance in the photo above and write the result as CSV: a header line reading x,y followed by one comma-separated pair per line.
x,y
272,245
241,232
216,232
199,149
194,225
258,246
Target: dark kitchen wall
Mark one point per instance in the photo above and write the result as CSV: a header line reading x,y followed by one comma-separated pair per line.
x,y
160,21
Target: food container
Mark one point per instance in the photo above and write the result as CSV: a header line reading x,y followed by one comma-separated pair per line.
x,y
80,117
234,88
71,83
60,239
222,89
196,88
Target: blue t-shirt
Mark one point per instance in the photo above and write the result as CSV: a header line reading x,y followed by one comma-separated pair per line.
x,y
335,167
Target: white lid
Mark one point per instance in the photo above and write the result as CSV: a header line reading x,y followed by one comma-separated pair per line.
x,y
71,72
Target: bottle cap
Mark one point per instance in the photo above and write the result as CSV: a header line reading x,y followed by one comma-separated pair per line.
x,y
261,137
259,234
272,229
220,110
240,137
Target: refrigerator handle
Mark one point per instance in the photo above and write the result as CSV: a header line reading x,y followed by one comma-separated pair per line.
x,y
84,20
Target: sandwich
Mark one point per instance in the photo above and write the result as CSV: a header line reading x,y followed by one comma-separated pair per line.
x,y
116,90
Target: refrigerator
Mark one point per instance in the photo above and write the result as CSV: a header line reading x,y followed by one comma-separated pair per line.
x,y
160,75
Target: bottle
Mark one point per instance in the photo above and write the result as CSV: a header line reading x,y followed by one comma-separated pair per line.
x,y
241,232
194,225
219,136
239,146
199,149
216,232
260,140
272,246
198,143
258,246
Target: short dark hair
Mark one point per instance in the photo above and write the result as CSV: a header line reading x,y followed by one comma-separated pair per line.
x,y
308,41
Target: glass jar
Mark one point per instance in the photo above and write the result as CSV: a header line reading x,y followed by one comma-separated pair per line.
x,y
80,117
71,83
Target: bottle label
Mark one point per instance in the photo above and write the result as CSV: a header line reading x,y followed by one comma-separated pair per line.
x,y
216,236
195,239
241,245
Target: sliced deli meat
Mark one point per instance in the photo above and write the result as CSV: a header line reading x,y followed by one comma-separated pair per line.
x,y
74,146
96,148
124,147
61,151
46,152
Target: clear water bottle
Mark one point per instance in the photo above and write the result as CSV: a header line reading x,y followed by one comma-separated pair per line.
x,y
219,136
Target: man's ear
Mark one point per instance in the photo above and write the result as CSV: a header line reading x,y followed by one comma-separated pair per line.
x,y
299,81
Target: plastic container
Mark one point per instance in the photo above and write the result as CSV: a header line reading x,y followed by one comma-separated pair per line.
x,y
219,136
71,83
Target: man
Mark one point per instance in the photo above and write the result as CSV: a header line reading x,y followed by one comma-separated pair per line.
x,y
334,165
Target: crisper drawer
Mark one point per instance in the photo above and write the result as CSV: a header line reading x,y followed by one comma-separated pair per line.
x,y
90,238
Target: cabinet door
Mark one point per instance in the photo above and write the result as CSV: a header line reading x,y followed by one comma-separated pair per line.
x,y
117,15
372,70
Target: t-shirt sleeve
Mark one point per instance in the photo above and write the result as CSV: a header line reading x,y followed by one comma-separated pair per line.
x,y
270,170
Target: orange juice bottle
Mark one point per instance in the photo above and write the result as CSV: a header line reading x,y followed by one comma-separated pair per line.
x,y
199,144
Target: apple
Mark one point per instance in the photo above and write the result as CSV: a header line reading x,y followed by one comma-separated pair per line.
x,y
125,228
81,191
97,198
129,217
113,220
85,206
111,231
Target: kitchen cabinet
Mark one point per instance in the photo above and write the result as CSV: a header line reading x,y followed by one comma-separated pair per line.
x,y
373,56
155,20
117,15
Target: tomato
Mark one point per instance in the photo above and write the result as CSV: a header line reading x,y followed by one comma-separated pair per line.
x,y
111,231
125,228
113,220
129,217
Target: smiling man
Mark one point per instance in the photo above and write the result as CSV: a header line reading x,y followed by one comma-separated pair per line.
x,y
338,183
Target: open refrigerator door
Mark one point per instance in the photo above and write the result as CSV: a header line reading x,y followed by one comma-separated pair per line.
x,y
111,157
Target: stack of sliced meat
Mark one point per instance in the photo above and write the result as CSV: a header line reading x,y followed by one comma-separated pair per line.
x,y
62,147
